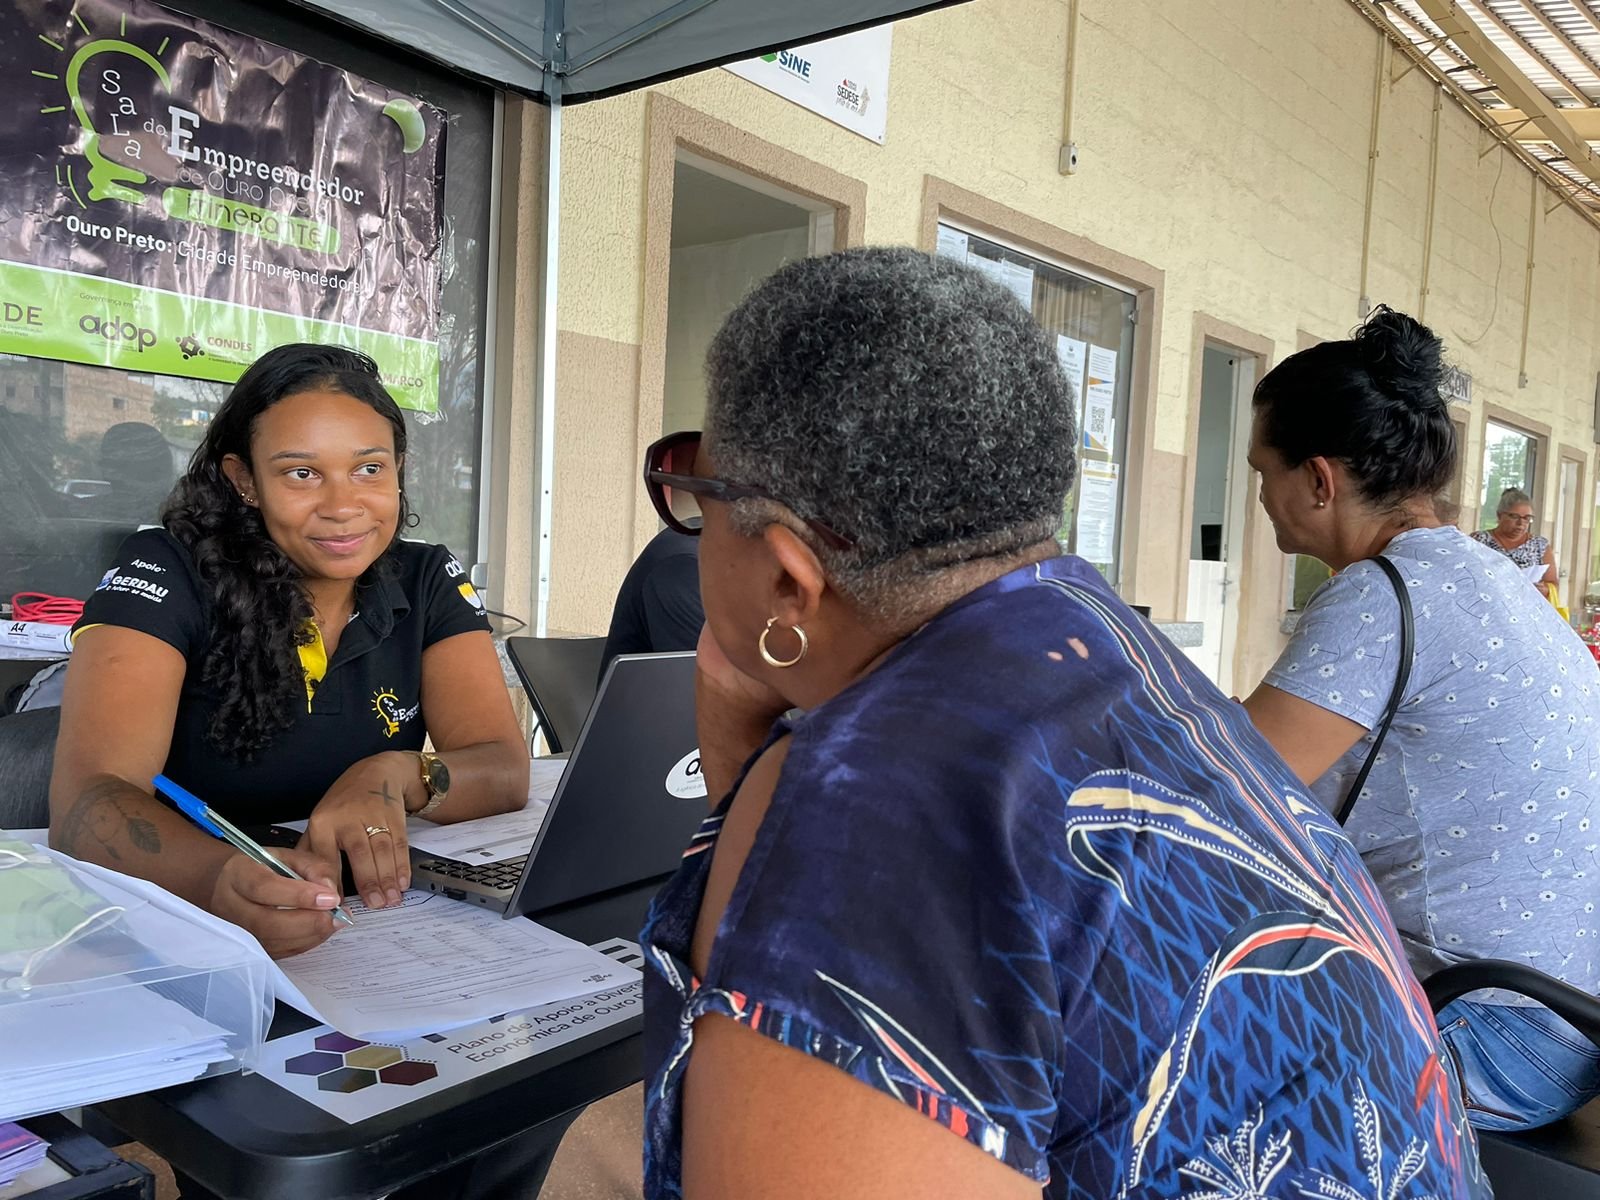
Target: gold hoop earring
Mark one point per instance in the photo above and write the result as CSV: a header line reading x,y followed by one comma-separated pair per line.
x,y
766,655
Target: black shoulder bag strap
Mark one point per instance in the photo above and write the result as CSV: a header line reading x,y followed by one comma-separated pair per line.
x,y
1401,678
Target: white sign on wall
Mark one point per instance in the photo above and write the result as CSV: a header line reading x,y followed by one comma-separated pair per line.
x,y
845,79
1097,512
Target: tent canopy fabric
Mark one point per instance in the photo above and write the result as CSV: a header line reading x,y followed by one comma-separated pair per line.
x,y
585,49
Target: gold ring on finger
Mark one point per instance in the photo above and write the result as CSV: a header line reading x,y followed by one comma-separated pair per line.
x,y
375,830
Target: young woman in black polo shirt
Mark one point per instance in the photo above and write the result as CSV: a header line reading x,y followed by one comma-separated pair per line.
x,y
278,650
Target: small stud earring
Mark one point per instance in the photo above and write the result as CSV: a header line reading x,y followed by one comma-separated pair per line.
x,y
1322,504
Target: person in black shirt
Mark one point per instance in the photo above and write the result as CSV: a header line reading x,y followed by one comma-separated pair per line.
x,y
658,606
136,460
277,649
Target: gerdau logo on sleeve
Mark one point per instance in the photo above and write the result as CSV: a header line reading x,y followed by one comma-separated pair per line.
x,y
131,585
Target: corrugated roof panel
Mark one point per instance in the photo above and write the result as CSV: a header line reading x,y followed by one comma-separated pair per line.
x,y
1535,29
1516,49
1554,44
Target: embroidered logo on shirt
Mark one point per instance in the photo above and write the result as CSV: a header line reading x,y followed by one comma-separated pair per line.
x,y
387,705
455,570
131,585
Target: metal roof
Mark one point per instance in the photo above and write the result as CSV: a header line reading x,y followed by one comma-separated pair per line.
x,y
1533,66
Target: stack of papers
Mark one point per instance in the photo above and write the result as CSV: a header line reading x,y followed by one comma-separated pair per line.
x,y
434,964
110,986
19,1151
487,839
67,1049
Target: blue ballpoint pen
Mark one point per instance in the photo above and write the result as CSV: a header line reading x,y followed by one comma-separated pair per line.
x,y
201,814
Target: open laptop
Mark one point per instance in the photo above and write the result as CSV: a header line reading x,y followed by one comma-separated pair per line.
x,y
628,802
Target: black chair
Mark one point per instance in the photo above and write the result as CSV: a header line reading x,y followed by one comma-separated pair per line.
x,y
561,677
1566,1154
27,749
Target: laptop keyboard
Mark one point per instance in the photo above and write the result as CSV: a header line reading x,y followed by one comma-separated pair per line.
x,y
500,876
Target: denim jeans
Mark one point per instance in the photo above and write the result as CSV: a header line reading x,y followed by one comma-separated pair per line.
x,y
1520,1067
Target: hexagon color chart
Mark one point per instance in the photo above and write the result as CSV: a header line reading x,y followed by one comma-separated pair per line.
x,y
344,1064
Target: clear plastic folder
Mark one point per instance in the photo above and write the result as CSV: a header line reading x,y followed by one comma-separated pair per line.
x,y
109,986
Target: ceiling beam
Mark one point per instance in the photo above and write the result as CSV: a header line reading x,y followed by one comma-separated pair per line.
x,y
1474,109
1426,43
1585,123
1585,59
1527,47
1512,83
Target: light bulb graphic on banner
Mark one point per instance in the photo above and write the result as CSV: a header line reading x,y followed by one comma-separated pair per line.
x,y
182,197
95,73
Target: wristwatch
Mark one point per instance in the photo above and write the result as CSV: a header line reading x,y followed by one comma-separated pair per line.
x,y
436,778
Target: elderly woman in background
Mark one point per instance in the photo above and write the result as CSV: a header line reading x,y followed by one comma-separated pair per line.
x,y
1476,817
1022,904
1513,536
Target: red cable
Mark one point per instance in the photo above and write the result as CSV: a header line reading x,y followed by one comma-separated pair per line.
x,y
47,610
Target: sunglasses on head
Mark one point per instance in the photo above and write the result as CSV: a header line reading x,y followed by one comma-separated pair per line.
x,y
676,490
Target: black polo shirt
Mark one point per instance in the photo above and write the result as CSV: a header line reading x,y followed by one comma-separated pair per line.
x,y
369,699
658,605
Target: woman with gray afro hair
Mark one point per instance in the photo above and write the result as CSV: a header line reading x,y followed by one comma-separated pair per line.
x,y
1019,874
972,462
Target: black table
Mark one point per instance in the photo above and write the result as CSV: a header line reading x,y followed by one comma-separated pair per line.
x,y
241,1136
1562,1159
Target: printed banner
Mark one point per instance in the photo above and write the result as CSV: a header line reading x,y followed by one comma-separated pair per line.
x,y
180,198
845,79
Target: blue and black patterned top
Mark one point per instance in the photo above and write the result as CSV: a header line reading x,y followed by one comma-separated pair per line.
x,y
1037,878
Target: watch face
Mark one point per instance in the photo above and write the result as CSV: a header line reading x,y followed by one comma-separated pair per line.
x,y
438,776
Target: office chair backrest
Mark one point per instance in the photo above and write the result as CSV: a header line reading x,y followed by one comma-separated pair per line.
x,y
1577,1008
27,749
561,677
1562,1159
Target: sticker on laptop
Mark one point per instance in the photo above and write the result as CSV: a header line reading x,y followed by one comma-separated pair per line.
x,y
685,780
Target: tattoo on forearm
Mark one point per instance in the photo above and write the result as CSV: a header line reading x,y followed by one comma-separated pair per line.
x,y
388,797
102,816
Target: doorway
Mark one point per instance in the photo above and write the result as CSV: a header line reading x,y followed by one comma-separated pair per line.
x,y
730,231
1220,503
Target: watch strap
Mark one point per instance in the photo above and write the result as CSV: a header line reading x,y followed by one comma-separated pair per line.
x,y
433,802
435,796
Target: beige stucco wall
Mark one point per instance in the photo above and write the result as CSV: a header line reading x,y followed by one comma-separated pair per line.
x,y
1223,149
